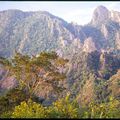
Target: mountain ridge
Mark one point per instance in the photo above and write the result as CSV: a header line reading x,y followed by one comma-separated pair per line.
x,y
93,50
19,29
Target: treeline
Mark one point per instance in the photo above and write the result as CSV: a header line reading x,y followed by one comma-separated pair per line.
x,y
62,108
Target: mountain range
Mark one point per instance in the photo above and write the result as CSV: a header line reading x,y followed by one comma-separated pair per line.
x,y
93,49
33,32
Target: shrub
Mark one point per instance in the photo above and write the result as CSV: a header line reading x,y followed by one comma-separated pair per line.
x,y
29,109
64,108
104,110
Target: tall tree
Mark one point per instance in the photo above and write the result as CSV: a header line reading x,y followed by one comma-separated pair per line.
x,y
31,72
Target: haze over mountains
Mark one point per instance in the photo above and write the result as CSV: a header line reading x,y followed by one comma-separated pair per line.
x,y
93,49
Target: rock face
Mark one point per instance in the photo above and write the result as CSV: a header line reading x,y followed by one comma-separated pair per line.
x,y
108,22
89,45
100,15
6,82
115,16
104,31
33,32
117,40
114,84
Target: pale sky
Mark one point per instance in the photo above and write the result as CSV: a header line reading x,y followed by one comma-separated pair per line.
x,y
79,12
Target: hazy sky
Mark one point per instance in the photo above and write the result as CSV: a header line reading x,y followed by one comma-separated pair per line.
x,y
79,11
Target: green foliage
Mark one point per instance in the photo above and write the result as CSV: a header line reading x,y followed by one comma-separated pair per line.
x,y
11,99
61,61
30,71
104,110
64,108
101,90
29,109
118,81
6,114
48,55
105,71
4,61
